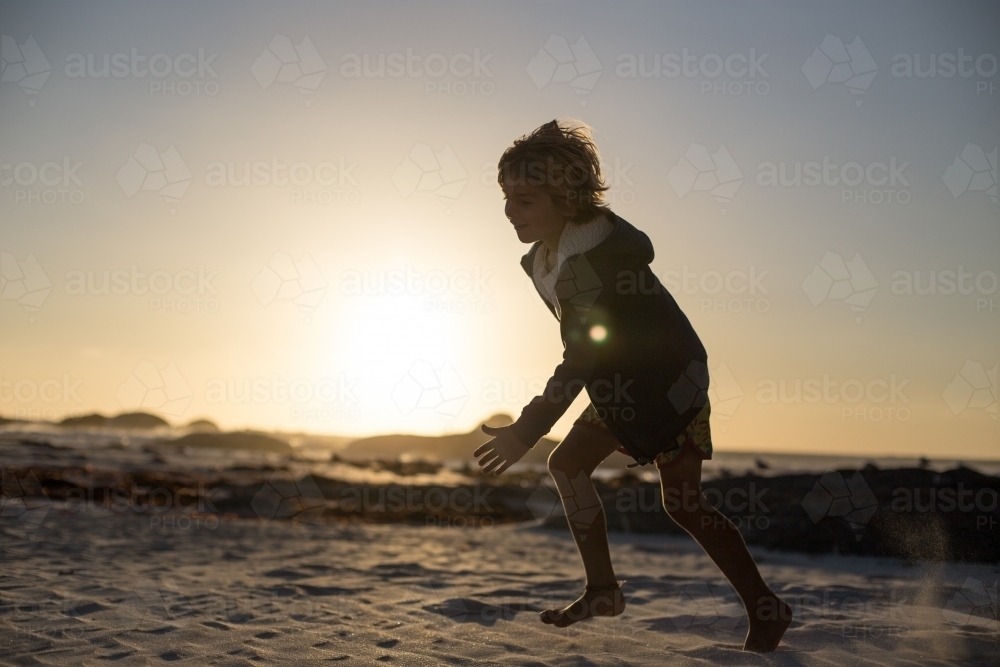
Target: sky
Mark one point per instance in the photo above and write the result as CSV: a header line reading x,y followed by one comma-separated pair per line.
x,y
285,216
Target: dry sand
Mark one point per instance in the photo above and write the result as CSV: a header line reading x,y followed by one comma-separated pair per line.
x,y
98,587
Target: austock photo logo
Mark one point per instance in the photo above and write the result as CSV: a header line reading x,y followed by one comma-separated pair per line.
x,y
25,282
733,75
285,279
835,496
691,387
615,171
974,605
974,170
467,74
875,183
460,291
24,64
162,389
734,291
702,171
149,170
707,606
543,502
580,285
718,385
981,286
948,64
424,387
51,182
281,61
439,172
557,61
23,500
327,182
20,397
833,279
834,62
329,398
184,291
853,282
577,502
505,389
182,75
862,400
724,394
870,614
973,388
284,497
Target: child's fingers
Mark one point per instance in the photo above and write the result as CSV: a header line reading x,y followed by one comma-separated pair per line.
x,y
482,448
486,460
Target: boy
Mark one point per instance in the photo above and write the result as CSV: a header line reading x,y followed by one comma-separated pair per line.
x,y
628,343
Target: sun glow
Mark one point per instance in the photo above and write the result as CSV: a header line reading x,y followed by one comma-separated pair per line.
x,y
380,331
382,340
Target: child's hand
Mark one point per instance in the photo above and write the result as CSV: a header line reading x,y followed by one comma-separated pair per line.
x,y
500,453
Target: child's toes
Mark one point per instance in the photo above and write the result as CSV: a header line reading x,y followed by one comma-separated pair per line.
x,y
550,616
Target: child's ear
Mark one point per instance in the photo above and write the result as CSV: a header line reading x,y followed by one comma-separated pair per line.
x,y
563,206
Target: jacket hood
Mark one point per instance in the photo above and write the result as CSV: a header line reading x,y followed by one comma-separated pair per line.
x,y
625,239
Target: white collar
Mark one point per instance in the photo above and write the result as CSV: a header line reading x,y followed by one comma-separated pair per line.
x,y
575,238
580,237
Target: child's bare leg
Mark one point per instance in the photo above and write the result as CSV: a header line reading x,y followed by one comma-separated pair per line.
x,y
571,464
768,615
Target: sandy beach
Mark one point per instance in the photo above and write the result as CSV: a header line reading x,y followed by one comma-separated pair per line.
x,y
99,587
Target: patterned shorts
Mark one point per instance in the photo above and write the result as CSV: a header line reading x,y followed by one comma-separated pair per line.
x,y
697,436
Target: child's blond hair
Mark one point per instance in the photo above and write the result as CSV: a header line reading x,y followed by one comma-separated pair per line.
x,y
563,160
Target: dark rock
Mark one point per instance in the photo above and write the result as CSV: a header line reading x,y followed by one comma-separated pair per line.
x,y
908,513
138,420
245,440
453,446
85,420
203,426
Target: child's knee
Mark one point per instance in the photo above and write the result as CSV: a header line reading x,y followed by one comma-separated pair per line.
x,y
565,458
562,462
683,502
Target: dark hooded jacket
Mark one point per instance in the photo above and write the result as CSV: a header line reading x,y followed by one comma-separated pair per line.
x,y
626,341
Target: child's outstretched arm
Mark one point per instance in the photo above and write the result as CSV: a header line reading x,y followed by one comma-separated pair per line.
x,y
569,378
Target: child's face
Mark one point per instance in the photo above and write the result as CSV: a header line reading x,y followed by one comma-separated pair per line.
x,y
531,211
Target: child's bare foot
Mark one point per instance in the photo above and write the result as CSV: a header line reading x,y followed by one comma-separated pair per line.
x,y
768,623
604,601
